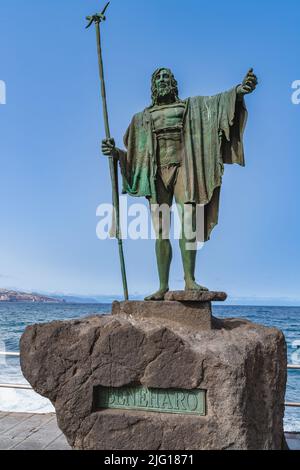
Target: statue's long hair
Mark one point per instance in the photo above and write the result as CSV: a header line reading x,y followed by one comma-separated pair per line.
x,y
174,85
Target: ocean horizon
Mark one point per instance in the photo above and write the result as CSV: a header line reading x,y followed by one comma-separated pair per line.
x,y
16,316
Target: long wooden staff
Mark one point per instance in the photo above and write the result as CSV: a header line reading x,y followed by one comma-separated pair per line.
x,y
113,164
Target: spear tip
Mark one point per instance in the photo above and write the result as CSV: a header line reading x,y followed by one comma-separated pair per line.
x,y
98,17
105,8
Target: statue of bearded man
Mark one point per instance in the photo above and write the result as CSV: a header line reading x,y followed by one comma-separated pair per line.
x,y
177,149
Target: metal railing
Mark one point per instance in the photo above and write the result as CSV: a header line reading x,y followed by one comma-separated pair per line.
x,y
291,404
27,387
14,386
12,354
7,354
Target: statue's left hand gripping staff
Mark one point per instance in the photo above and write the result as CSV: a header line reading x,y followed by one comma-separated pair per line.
x,y
113,164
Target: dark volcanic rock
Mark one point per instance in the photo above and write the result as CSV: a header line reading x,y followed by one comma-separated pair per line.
x,y
242,366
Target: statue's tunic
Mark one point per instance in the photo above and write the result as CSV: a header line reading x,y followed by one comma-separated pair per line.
x,y
168,132
212,134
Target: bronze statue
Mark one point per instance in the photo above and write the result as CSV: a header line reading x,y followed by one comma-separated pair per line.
x,y
178,148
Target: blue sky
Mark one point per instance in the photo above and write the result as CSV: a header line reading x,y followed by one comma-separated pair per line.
x,y
52,174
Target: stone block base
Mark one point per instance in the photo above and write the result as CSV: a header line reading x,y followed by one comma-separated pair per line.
x,y
192,315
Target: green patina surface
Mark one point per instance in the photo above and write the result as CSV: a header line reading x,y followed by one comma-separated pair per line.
x,y
153,400
199,135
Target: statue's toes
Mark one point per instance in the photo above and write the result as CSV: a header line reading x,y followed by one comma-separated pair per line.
x,y
204,289
196,287
149,298
154,298
160,295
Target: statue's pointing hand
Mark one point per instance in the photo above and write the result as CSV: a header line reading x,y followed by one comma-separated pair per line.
x,y
109,148
249,84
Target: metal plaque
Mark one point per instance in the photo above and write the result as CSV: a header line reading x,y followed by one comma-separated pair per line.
x,y
149,399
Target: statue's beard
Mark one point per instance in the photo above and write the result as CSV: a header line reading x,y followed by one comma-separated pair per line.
x,y
165,92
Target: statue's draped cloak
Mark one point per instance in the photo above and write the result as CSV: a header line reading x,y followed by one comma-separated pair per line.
x,y
213,135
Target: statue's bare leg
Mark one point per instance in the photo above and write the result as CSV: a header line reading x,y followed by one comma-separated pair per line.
x,y
189,264
188,254
164,258
161,218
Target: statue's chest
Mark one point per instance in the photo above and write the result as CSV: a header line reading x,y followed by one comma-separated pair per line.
x,y
166,117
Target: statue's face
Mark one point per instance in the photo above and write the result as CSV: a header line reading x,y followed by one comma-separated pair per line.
x,y
163,83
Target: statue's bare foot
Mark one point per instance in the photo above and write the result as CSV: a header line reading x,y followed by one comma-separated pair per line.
x,y
159,295
192,285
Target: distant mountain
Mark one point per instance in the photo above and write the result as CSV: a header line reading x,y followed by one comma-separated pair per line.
x,y
74,299
15,296
97,299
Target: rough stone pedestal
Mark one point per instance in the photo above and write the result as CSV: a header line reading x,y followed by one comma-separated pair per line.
x,y
239,366
191,309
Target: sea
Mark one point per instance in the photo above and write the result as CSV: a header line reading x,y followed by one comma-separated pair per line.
x,y
15,317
